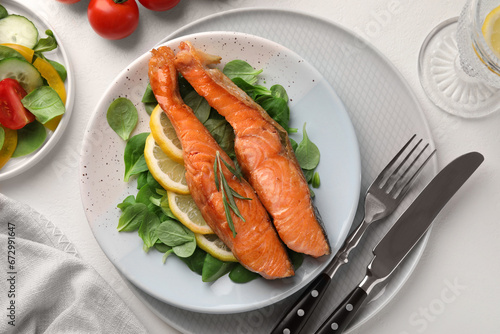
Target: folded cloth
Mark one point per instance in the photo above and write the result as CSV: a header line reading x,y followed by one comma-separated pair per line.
x,y
45,287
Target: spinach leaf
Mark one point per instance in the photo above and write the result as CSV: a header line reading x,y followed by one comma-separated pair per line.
x,y
277,108
279,92
6,52
296,258
149,96
44,103
149,100
199,105
240,274
29,139
152,182
132,218
130,200
3,12
307,153
134,155
2,137
172,233
48,43
61,70
214,268
142,179
252,90
122,117
222,132
195,261
241,69
147,230
315,182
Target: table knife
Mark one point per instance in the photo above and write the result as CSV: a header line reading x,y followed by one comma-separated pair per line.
x,y
403,236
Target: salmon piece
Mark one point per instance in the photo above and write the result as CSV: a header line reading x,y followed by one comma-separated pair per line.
x,y
264,152
256,244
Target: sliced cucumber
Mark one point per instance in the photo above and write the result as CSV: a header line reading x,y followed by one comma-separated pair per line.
x,y
19,30
22,71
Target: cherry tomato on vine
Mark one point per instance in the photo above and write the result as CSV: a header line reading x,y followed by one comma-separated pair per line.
x,y
113,19
13,114
159,5
68,1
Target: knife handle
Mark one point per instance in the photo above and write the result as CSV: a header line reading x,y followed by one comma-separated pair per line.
x,y
298,314
338,321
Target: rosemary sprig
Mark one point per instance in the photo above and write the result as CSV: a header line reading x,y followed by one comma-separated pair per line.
x,y
228,193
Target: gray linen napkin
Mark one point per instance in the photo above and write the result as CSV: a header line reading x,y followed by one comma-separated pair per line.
x,y
45,287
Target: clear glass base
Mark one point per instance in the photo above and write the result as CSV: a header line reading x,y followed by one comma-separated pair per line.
x,y
444,81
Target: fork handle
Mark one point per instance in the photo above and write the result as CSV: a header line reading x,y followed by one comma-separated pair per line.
x,y
297,315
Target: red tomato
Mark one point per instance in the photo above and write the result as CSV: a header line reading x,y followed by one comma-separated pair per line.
x,y
68,1
113,19
13,114
159,5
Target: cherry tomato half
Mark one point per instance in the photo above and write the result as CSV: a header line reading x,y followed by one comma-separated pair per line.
x,y
13,114
68,1
159,5
113,19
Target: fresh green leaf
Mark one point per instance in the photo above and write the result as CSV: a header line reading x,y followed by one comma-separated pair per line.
x,y
222,132
147,230
128,201
296,258
315,180
152,181
185,250
173,234
161,247
165,255
48,43
131,219
199,105
279,92
240,274
307,152
6,52
165,207
3,12
44,103
253,91
61,70
214,268
2,137
277,108
30,138
241,69
134,155
122,117
149,96
196,260
142,179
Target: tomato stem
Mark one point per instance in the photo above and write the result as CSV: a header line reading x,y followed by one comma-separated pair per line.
x,y
120,1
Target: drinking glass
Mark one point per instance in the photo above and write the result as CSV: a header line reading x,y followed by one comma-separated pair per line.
x,y
458,70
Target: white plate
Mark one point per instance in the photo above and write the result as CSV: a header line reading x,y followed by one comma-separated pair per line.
x,y
312,101
15,166
384,112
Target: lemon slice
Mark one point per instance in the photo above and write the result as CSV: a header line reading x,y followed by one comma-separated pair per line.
x,y
164,134
186,210
211,244
169,173
491,30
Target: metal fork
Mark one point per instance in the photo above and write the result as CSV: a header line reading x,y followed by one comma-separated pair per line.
x,y
381,199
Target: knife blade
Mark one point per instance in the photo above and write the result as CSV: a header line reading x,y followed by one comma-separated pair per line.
x,y
403,236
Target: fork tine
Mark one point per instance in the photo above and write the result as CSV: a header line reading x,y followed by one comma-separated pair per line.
x,y
399,191
384,172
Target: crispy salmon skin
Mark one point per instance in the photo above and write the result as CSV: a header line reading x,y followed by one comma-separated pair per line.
x,y
263,151
256,244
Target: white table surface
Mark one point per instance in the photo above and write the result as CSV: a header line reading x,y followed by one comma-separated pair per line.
x,y
454,288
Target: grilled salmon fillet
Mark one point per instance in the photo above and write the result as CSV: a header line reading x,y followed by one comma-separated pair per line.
x,y
256,244
263,151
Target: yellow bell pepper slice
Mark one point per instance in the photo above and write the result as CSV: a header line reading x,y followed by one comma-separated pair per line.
x,y
26,52
9,145
54,80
